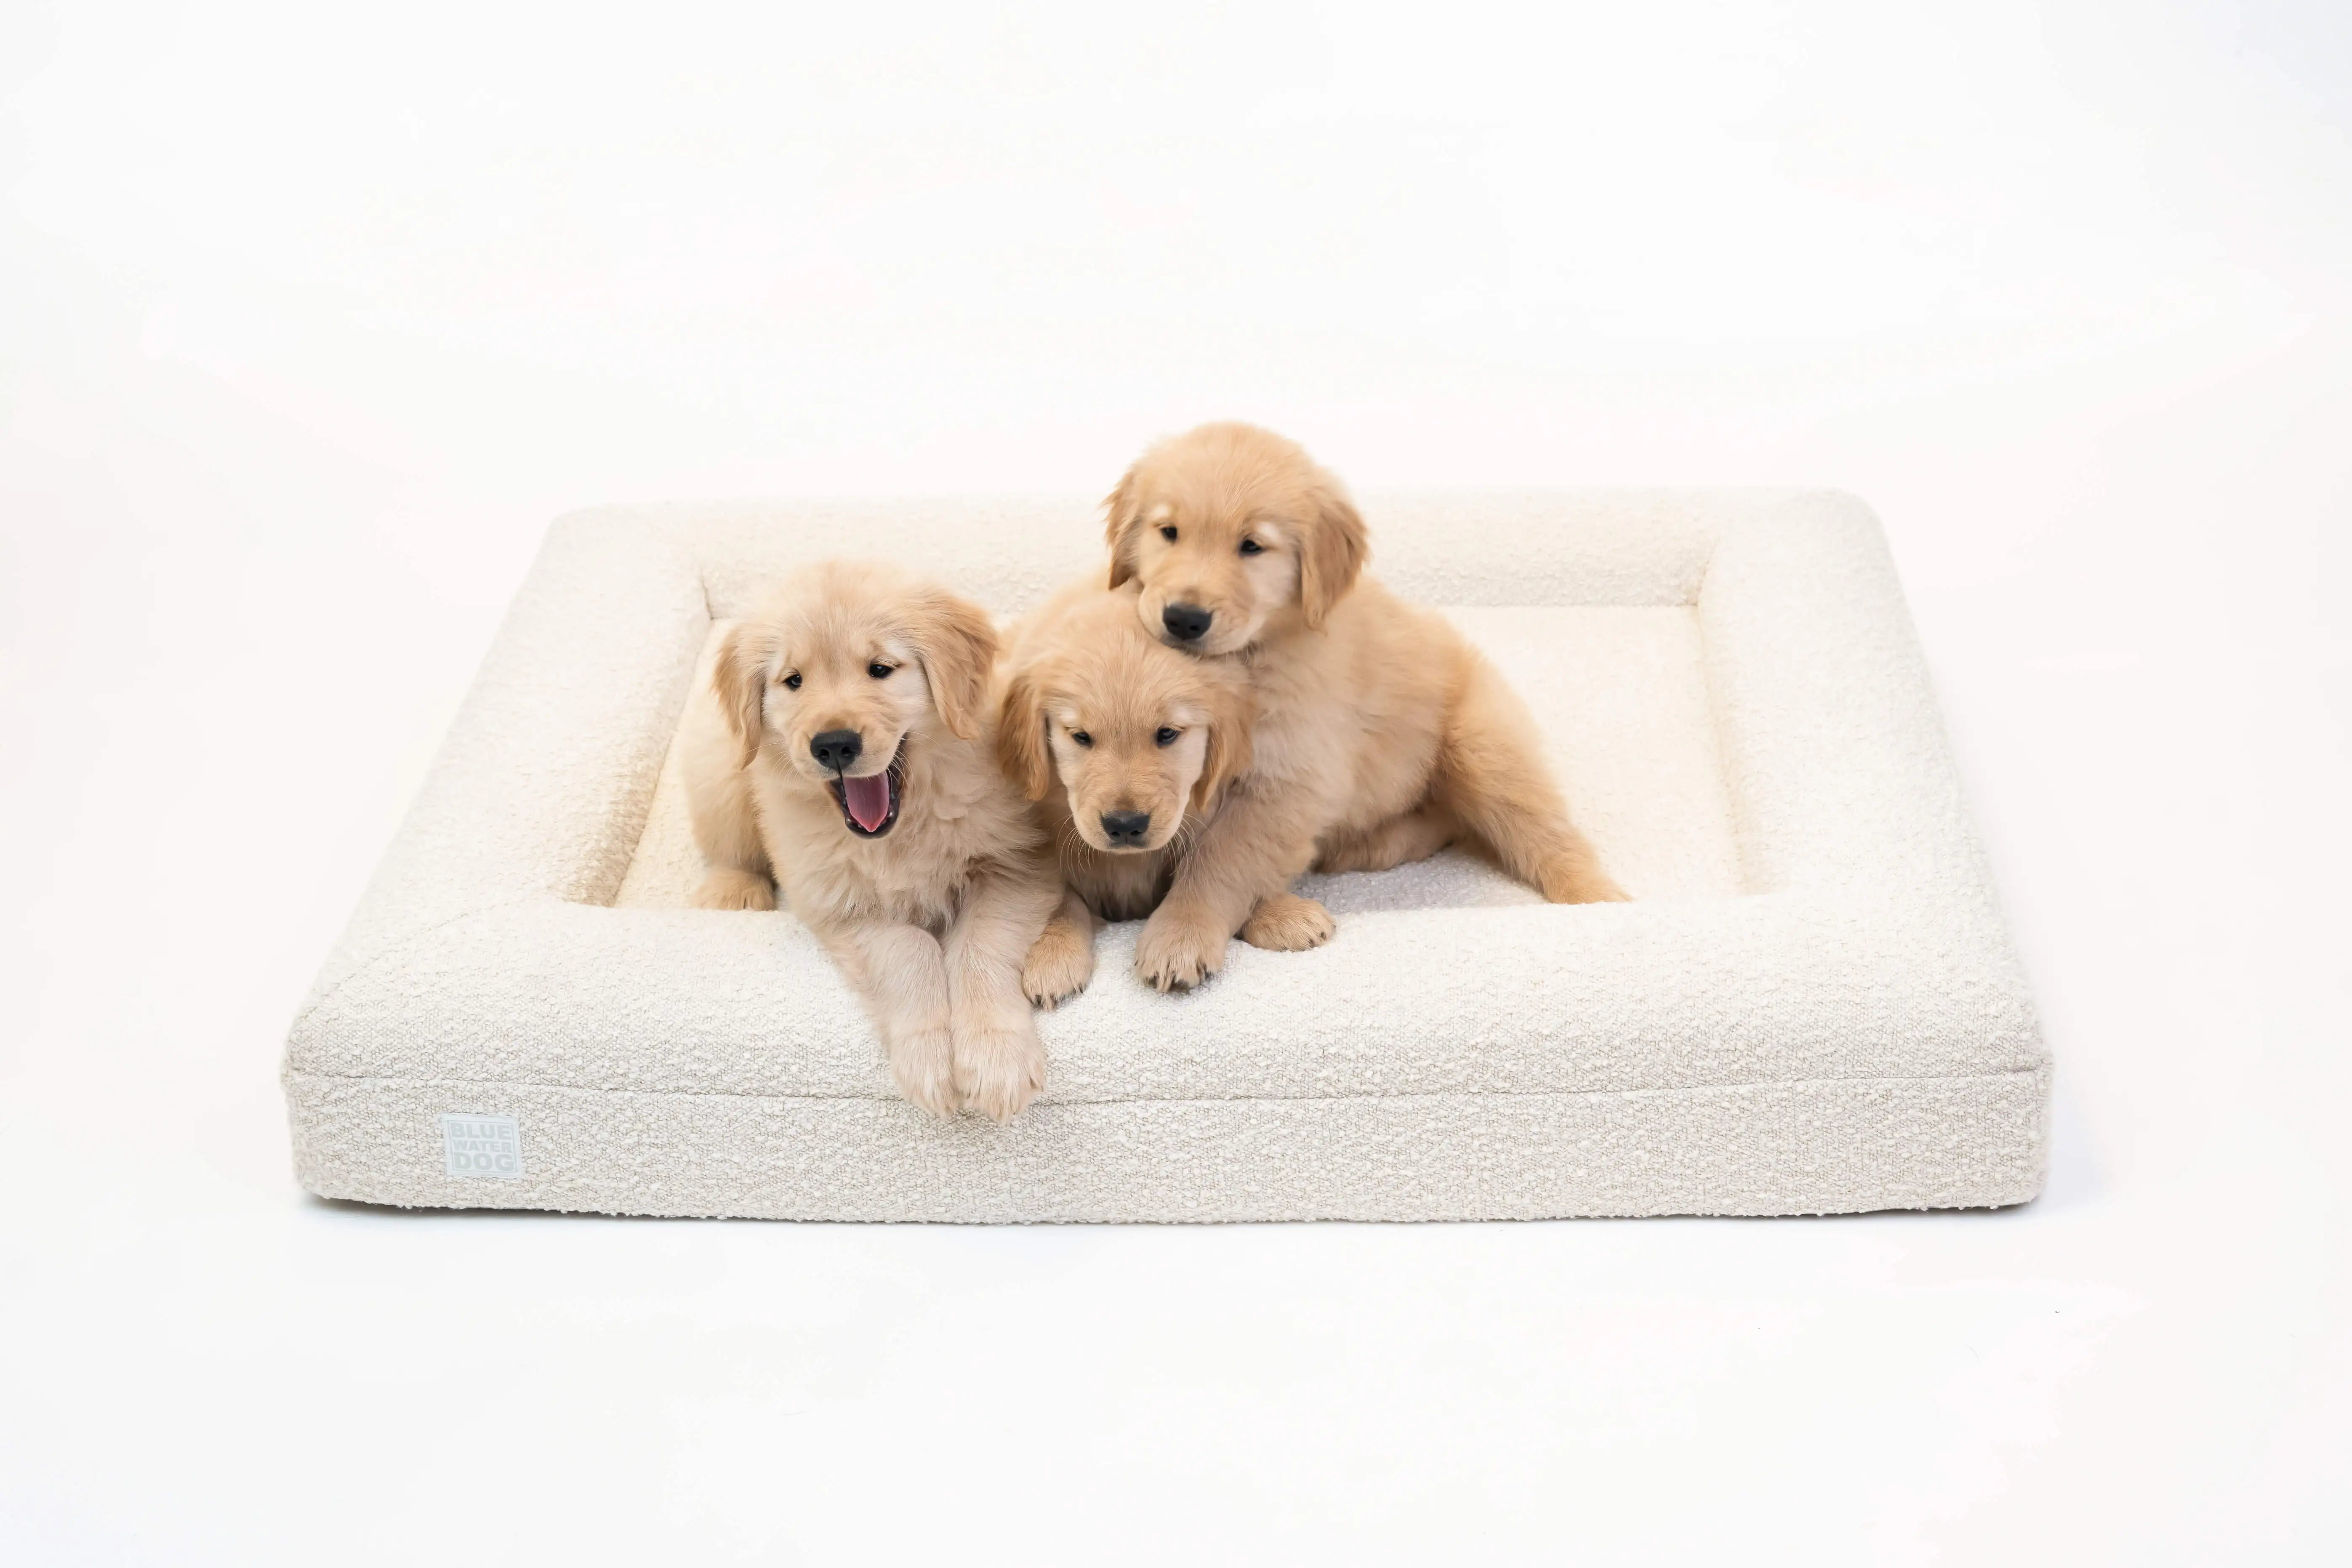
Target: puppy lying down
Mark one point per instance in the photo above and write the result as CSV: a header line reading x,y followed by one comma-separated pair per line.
x,y
1128,745
1239,705
1381,734
844,747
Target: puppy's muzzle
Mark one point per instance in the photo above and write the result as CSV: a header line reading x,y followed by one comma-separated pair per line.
x,y
1126,829
836,750
1186,623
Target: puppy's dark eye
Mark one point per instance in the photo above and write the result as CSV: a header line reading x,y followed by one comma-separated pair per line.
x,y
1166,736
1082,737
793,681
879,670
1168,532
1252,547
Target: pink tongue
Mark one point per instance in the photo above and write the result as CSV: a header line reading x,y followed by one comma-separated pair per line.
x,y
869,798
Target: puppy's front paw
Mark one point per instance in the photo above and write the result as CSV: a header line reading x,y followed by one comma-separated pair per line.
x,y
999,1065
1060,964
728,888
923,1061
1179,948
1289,923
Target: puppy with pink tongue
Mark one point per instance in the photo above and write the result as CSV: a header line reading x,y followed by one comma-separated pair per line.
x,y
872,802
844,746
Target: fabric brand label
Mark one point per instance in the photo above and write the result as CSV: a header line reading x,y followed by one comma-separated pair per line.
x,y
482,1146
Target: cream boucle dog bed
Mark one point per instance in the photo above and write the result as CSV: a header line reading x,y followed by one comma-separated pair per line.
x,y
1812,1005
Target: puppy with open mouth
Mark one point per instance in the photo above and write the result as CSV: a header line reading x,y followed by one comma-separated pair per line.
x,y
842,746
1128,745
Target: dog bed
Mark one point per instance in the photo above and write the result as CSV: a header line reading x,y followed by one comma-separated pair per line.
x,y
1811,1006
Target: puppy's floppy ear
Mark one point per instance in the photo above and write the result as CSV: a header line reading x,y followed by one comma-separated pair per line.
x,y
1232,714
957,645
1118,528
1020,737
740,676
1332,554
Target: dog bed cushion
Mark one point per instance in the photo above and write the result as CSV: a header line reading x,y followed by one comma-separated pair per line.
x,y
1811,1006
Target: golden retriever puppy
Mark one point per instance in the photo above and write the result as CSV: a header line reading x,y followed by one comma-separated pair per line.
x,y
842,746
1382,735
1142,740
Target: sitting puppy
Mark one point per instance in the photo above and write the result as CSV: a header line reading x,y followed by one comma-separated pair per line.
x,y
1143,740
1381,734
842,747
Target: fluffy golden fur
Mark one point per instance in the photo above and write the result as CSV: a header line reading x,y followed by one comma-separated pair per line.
x,y
931,916
1127,729
1381,734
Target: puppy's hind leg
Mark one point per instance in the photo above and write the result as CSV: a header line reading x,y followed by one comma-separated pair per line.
x,y
1285,922
1410,835
726,827
732,887
1491,776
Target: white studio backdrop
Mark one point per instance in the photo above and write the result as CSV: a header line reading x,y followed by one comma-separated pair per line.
x,y
311,317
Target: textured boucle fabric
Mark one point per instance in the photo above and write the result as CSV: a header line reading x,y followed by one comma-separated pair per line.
x,y
1813,1004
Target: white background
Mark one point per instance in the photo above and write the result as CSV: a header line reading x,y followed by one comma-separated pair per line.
x,y
312,315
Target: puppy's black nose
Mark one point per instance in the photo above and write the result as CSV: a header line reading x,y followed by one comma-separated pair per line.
x,y
1185,623
1126,826
836,749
